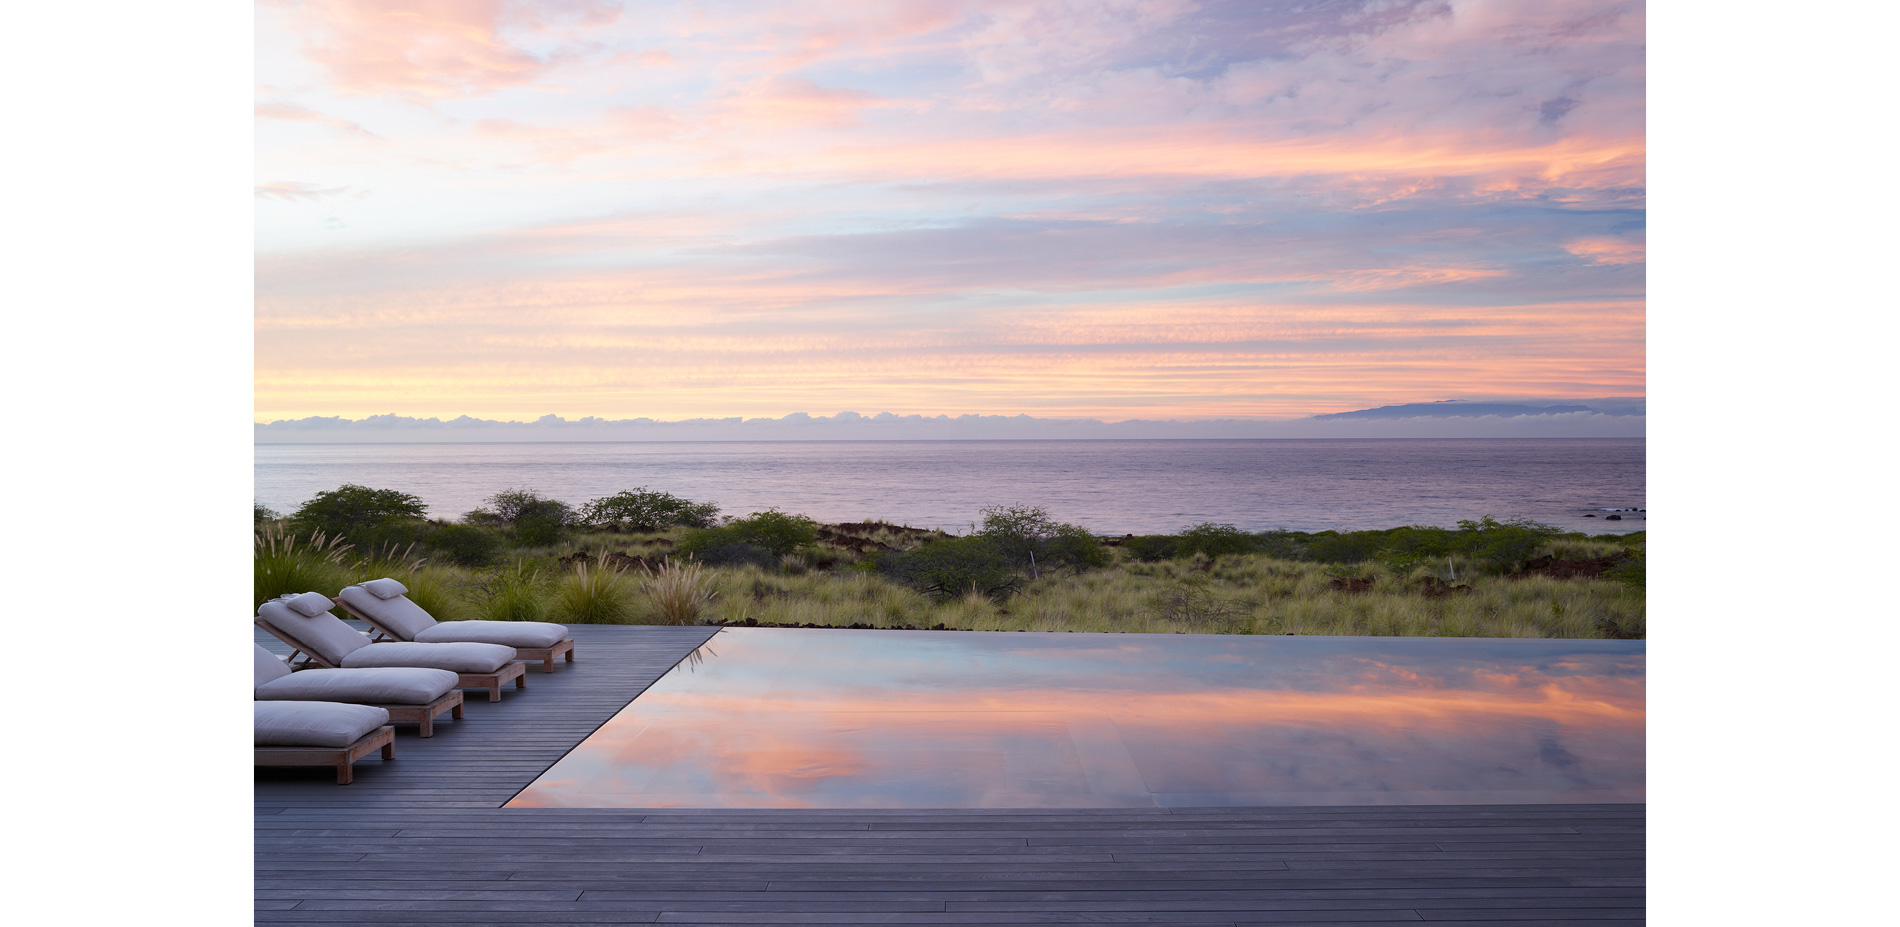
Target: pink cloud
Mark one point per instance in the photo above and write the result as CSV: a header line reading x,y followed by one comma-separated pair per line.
x,y
294,112
430,49
1605,249
291,191
795,101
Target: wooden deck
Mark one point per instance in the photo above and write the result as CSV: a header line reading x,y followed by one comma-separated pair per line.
x,y
423,840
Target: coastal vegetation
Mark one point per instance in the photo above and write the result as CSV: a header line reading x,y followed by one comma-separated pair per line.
x,y
645,556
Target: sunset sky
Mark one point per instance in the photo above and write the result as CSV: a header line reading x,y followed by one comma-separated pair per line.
x,y
1102,208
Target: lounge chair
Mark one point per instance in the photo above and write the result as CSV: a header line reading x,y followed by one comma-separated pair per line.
x,y
321,734
411,695
385,605
304,622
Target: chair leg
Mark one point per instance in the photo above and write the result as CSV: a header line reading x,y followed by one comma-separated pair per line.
x,y
426,728
344,772
389,750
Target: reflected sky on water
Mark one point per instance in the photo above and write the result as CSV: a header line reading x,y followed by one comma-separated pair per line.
x,y
796,718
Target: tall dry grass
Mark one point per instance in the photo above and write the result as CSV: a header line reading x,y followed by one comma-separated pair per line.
x,y
677,593
281,563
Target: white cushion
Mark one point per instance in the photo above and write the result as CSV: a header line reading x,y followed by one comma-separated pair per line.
x,y
385,588
268,666
509,633
309,604
323,635
403,618
405,685
461,658
315,724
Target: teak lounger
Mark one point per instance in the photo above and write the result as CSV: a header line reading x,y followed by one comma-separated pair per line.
x,y
304,622
321,734
385,605
411,695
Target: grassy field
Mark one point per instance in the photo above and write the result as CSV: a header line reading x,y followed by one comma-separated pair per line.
x,y
1364,583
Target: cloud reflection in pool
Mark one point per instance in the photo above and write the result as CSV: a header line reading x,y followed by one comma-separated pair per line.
x,y
787,718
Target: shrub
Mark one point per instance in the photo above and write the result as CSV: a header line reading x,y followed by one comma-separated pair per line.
x,y
592,594
1352,547
1213,540
281,564
533,520
1028,539
1504,546
1630,573
728,552
772,532
777,531
390,535
261,513
678,592
1152,548
464,544
1074,548
644,509
951,568
348,509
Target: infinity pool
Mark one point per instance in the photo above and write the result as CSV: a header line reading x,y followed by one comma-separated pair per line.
x,y
788,718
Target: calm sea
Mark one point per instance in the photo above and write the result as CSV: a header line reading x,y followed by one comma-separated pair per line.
x,y
1110,487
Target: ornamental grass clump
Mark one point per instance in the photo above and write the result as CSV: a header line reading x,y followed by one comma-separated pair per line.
x,y
516,592
593,594
678,592
281,564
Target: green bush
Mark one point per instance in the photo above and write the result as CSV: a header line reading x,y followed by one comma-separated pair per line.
x,y
1630,573
531,520
1028,539
349,509
1213,540
772,531
1504,546
1352,547
1152,548
390,537
1074,548
724,549
464,544
644,509
261,513
950,568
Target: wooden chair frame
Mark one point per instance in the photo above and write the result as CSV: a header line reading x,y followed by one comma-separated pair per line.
x,y
543,655
343,758
513,671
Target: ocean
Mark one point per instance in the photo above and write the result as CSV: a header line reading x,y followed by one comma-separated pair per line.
x,y
1110,487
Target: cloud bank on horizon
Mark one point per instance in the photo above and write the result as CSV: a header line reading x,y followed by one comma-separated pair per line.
x,y
1105,209
1612,417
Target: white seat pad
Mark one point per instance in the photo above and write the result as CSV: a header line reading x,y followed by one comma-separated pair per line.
x,y
460,658
388,685
315,724
509,633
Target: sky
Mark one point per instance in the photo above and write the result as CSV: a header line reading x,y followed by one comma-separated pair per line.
x,y
1113,209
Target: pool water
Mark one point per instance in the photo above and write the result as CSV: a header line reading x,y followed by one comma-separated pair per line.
x,y
800,718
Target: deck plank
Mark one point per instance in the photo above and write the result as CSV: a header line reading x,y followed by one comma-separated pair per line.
x,y
423,839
